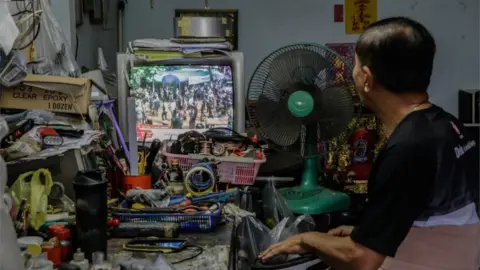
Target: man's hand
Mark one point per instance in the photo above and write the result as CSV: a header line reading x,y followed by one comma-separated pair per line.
x,y
342,231
293,245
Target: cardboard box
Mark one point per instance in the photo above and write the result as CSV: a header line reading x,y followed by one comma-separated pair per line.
x,y
51,93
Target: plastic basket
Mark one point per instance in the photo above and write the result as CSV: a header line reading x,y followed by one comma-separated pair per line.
x,y
193,222
237,173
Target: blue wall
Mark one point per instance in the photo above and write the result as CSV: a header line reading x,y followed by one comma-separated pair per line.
x,y
265,25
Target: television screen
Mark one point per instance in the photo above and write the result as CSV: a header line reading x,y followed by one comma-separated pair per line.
x,y
170,99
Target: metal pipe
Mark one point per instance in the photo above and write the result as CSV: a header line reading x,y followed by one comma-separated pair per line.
x,y
121,14
274,178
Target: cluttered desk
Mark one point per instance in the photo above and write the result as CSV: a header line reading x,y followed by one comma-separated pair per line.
x,y
164,175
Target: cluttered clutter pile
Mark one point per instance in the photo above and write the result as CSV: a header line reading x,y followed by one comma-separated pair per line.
x,y
75,197
83,189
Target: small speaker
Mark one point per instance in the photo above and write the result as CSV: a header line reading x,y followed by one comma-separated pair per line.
x,y
468,106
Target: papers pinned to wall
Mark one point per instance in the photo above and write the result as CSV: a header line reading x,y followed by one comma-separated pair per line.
x,y
359,14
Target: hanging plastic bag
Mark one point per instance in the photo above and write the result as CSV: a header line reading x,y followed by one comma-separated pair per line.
x,y
21,188
286,229
8,28
275,207
253,238
52,48
41,185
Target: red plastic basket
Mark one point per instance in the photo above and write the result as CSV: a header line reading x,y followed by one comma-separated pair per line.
x,y
237,173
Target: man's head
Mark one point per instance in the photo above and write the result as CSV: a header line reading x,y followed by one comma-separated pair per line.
x,y
393,55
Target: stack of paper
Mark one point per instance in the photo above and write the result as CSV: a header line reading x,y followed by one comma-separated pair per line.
x,y
162,49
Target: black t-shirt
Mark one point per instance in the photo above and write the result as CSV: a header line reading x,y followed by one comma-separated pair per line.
x,y
428,167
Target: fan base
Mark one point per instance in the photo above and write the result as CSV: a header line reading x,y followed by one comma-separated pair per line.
x,y
316,201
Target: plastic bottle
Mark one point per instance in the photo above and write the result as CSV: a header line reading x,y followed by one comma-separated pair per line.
x,y
79,260
176,173
98,262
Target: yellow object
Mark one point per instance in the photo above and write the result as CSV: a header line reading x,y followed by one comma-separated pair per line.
x,y
35,192
41,185
21,189
34,250
359,14
164,55
138,206
185,32
188,185
140,249
142,162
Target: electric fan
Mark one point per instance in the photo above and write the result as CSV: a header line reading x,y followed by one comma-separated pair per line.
x,y
298,97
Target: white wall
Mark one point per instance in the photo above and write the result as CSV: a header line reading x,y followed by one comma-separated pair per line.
x,y
266,25
90,37
64,12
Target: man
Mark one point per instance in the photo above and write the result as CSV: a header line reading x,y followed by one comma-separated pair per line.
x,y
423,187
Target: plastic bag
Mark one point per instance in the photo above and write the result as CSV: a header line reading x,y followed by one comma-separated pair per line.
x,y
286,229
52,48
41,185
21,188
275,207
254,237
161,264
8,28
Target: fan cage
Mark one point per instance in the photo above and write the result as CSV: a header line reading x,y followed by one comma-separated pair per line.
x,y
334,75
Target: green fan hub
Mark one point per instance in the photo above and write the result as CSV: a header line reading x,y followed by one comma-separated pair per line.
x,y
316,201
300,103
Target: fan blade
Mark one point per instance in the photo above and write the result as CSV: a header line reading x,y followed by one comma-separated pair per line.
x,y
297,66
334,110
276,121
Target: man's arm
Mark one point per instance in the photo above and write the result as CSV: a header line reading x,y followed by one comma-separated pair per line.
x,y
341,252
403,184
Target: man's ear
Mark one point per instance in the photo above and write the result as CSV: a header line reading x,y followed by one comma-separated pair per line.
x,y
368,79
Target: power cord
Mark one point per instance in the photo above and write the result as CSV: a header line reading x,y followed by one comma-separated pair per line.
x,y
35,36
76,47
29,13
200,251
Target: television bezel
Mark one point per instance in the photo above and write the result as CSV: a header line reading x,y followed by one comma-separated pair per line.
x,y
235,60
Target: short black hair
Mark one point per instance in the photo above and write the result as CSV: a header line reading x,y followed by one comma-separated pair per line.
x,y
400,52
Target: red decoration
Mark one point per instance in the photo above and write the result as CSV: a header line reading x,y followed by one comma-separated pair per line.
x,y
363,144
338,13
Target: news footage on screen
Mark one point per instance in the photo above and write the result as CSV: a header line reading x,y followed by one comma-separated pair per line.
x,y
170,99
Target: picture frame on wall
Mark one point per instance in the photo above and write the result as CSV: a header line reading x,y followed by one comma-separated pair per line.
x,y
78,12
228,17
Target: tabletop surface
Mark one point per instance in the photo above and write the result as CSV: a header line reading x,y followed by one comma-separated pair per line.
x,y
215,255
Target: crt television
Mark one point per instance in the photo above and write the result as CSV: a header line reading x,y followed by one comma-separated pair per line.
x,y
173,96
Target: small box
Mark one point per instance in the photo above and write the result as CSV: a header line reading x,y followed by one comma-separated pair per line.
x,y
51,93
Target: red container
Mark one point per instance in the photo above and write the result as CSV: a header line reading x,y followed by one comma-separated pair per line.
x,y
54,253
53,228
141,181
